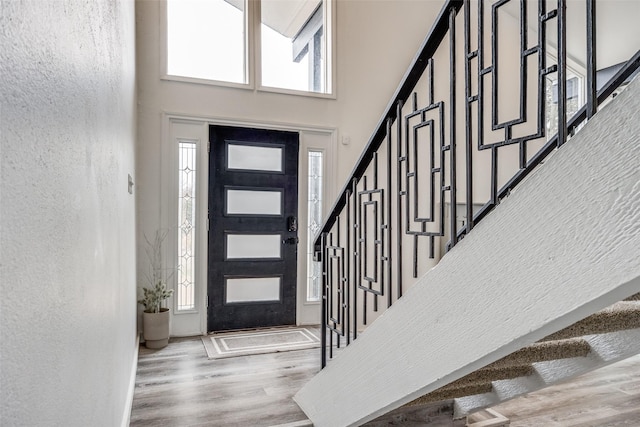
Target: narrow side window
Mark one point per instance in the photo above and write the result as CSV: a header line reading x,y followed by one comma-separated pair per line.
x,y
186,225
314,270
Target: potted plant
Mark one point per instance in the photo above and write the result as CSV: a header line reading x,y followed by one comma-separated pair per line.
x,y
155,317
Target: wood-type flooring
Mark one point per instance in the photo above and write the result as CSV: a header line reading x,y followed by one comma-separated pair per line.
x,y
179,386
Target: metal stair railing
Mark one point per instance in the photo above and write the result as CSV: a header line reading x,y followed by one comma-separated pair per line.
x,y
444,154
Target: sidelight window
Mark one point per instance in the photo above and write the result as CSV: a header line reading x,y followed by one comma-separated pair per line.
x,y
315,179
186,225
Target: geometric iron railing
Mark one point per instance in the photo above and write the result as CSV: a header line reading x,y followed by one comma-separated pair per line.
x,y
492,92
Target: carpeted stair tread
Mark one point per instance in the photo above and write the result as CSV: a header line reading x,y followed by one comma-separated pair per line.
x,y
447,392
484,375
543,351
620,316
475,383
517,364
566,343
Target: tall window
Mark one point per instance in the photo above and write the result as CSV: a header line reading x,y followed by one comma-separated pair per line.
x,y
206,39
314,269
293,54
212,40
186,225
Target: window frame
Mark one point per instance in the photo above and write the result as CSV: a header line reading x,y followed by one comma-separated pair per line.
x,y
253,60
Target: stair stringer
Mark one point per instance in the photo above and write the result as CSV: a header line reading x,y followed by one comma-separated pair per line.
x,y
562,246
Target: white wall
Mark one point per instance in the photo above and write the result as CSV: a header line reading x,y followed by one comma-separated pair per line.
x,y
372,57
67,221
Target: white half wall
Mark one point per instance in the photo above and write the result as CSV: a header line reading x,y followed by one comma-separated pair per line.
x,y
563,245
67,220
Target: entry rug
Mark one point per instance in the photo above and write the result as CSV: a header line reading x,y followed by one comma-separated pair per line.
x,y
232,344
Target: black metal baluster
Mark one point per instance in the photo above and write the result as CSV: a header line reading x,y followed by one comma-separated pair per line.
x,y
337,320
469,99
542,66
452,137
562,72
347,257
323,321
362,218
388,228
524,87
494,176
376,240
356,248
592,100
329,298
401,160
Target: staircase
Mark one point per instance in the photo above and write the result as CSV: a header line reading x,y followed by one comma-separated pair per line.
x,y
586,257
538,284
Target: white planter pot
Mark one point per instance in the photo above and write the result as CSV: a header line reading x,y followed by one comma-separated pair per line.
x,y
156,328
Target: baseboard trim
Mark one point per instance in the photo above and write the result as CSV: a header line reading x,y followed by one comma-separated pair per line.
x,y
126,416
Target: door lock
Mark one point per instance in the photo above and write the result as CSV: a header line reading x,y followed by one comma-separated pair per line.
x,y
290,241
292,224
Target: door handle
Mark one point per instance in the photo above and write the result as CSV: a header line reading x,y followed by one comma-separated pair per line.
x,y
291,241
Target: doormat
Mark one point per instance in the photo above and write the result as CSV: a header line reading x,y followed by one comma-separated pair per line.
x,y
233,344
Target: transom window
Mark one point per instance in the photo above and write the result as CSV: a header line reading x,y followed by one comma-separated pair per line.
x,y
215,41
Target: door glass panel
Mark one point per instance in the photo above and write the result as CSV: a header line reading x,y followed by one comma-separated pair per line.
x,y
251,157
253,289
254,202
253,246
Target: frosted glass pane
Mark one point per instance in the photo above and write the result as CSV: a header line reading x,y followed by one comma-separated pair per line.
x,y
253,289
249,157
254,202
253,246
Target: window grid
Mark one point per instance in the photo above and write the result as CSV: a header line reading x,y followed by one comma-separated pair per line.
x,y
314,202
186,225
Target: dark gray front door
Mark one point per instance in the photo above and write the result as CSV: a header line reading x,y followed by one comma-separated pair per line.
x,y
253,204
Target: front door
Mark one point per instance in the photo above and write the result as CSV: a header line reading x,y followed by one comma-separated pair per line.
x,y
253,204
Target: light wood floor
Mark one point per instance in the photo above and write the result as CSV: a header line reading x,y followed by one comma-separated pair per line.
x,y
607,397
179,386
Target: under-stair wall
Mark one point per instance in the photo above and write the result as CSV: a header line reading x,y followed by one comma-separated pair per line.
x,y
563,245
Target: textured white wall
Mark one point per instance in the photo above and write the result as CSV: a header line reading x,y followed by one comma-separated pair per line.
x,y
67,222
